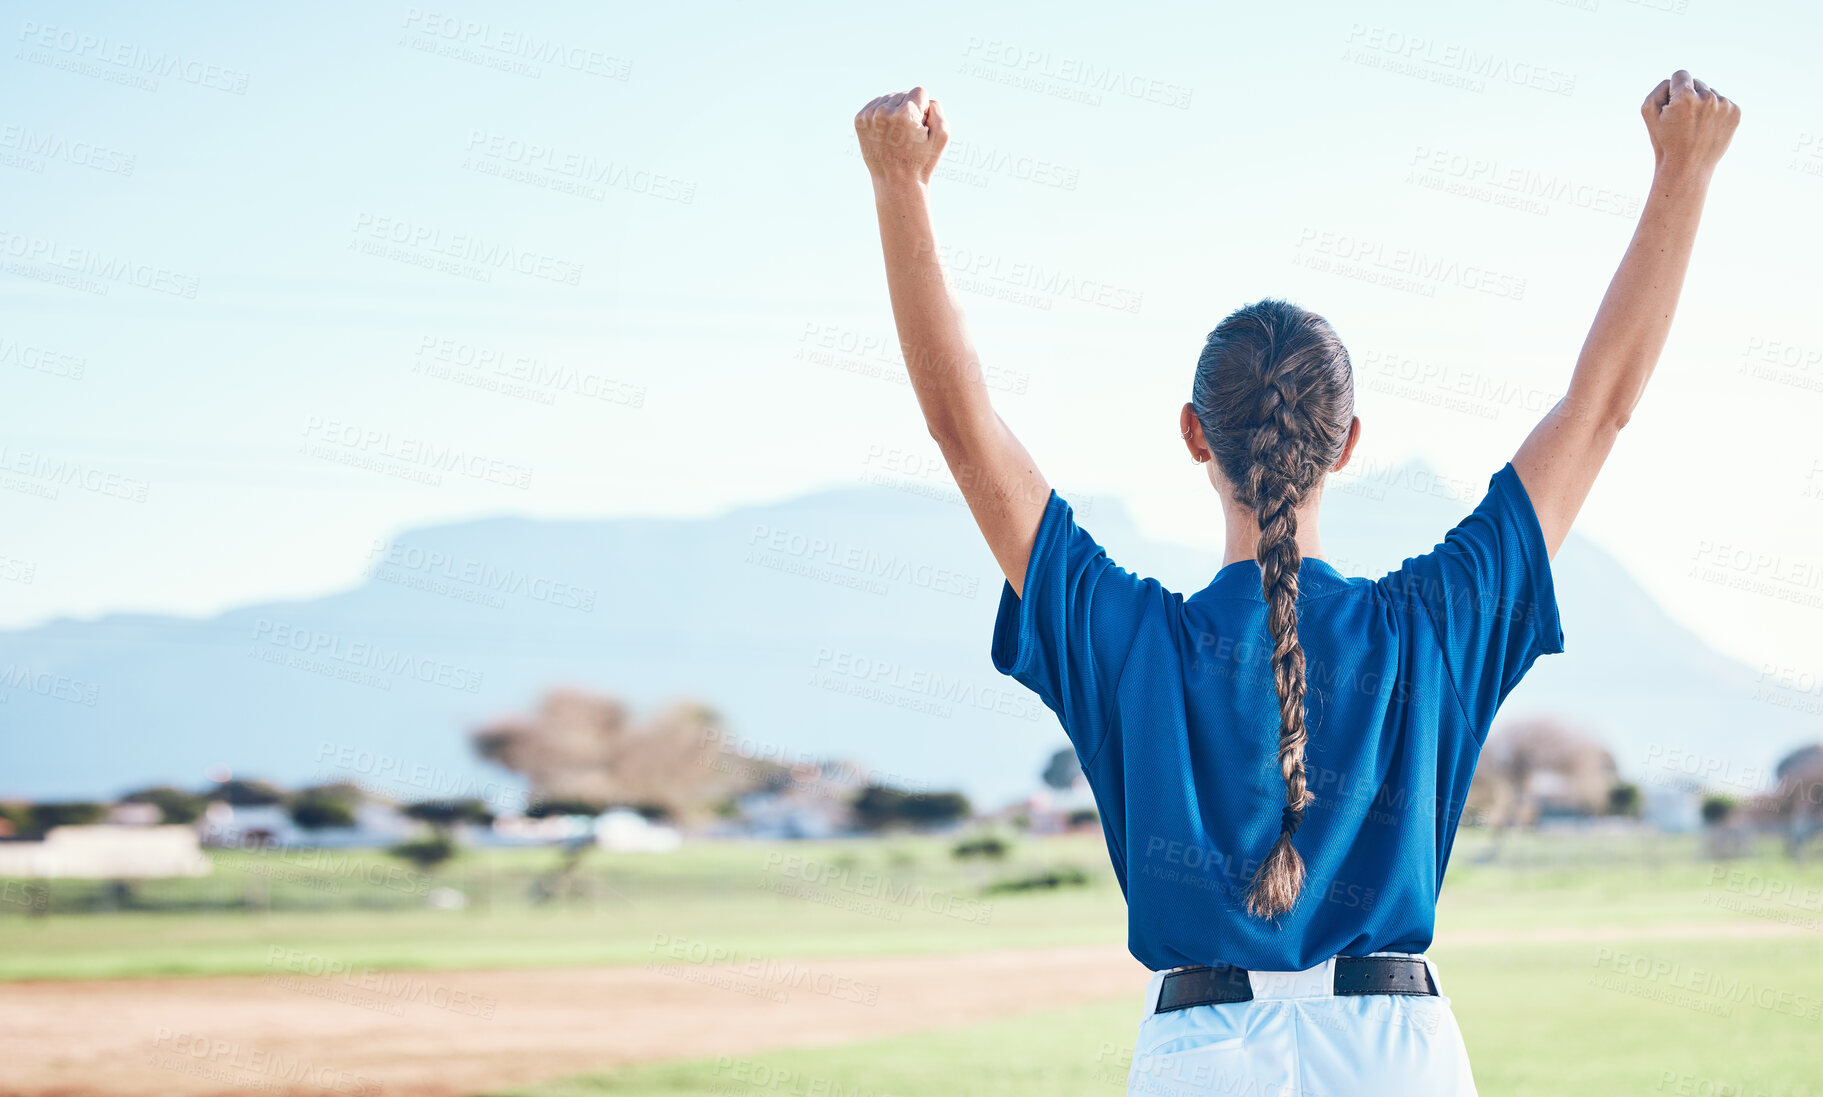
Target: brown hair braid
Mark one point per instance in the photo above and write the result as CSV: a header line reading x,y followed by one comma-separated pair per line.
x,y
1275,395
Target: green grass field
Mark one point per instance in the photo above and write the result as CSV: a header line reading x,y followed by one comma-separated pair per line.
x,y
1633,965
1533,1022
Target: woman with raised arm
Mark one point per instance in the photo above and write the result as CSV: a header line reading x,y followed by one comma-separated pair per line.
x,y
1281,758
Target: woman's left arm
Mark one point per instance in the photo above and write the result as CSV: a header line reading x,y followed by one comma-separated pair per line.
x,y
902,136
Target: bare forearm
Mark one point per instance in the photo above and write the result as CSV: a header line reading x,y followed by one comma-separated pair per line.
x,y
1634,320
939,356
1690,126
901,137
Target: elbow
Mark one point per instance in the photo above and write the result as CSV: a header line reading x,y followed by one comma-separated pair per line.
x,y
1598,416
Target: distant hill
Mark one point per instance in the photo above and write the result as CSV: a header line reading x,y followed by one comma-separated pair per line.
x,y
853,622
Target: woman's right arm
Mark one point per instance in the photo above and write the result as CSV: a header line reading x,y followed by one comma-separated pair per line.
x,y
1690,127
902,136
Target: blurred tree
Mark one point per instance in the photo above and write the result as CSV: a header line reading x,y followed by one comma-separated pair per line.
x,y
584,748
320,807
33,821
1624,800
991,847
174,804
1717,809
240,793
555,809
1063,769
1540,767
442,815
426,853
1796,803
879,807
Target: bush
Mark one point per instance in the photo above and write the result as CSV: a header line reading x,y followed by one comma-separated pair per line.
x,y
1049,880
879,807
990,846
246,794
556,807
174,805
34,820
1623,799
1717,809
1082,817
426,853
442,814
320,808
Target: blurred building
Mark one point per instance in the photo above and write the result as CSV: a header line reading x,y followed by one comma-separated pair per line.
x,y
106,852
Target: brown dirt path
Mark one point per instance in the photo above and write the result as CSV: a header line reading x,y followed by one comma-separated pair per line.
x,y
442,1034
450,1034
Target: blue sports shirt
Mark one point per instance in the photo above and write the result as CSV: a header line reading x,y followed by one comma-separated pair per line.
x,y
1169,702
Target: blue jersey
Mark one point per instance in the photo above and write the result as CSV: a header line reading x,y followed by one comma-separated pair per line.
x,y
1169,702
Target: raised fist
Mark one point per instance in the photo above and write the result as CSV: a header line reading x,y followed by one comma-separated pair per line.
x,y
1689,123
902,136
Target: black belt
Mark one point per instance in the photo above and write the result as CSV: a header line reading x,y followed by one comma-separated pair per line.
x,y
1355,975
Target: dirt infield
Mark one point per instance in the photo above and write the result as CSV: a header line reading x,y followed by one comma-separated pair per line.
x,y
443,1034
450,1034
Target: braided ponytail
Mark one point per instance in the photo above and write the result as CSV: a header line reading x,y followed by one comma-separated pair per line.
x,y
1274,393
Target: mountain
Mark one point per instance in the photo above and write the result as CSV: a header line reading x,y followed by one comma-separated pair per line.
x,y
854,622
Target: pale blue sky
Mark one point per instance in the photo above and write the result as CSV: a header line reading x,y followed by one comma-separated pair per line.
x,y
272,149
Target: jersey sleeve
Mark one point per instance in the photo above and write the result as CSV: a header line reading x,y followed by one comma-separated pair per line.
x,y
1487,592
1067,636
